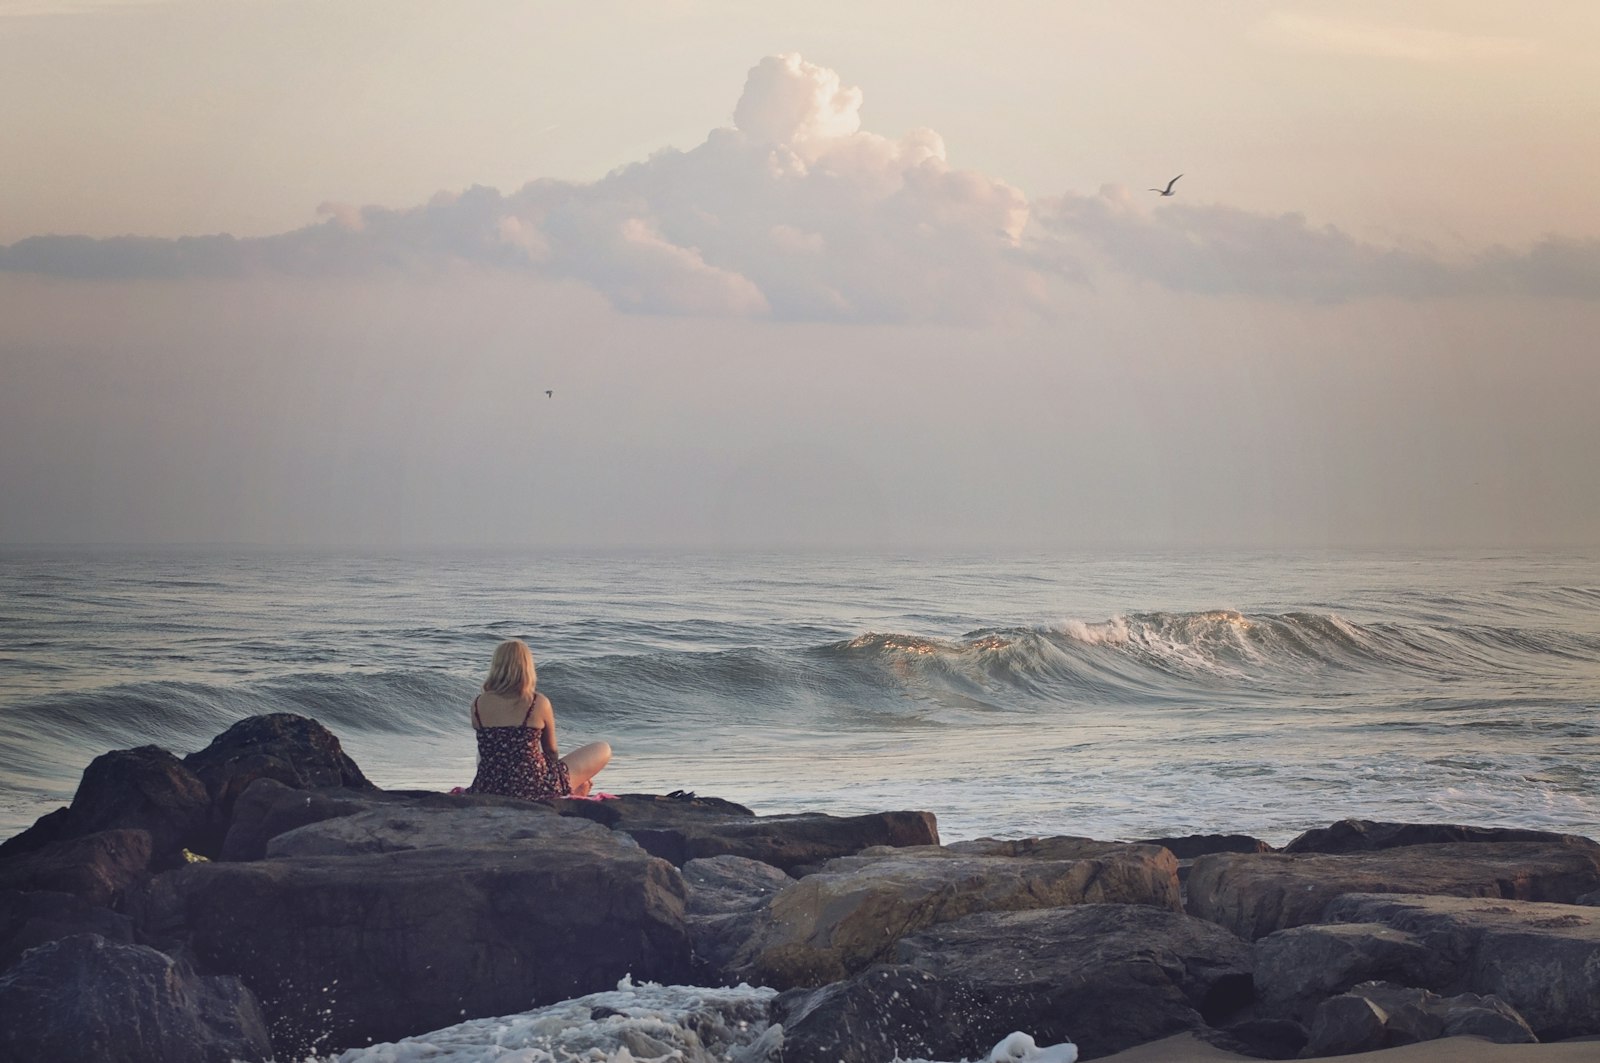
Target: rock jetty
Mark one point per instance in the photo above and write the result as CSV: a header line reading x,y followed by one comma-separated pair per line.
x,y
260,899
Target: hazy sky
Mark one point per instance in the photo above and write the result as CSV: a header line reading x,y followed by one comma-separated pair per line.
x,y
831,274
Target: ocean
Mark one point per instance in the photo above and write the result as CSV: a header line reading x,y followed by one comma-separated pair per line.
x,y
1114,695
1101,694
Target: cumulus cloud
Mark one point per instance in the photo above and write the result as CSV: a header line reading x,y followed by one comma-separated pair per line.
x,y
797,212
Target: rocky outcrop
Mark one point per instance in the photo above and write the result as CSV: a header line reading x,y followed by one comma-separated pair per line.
x,y
388,829
96,867
293,750
1191,846
838,921
1365,835
29,919
374,940
1256,894
1105,976
86,998
1541,959
684,830
1297,969
1376,1015
725,895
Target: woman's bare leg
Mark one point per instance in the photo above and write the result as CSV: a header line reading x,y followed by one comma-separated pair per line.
x,y
584,763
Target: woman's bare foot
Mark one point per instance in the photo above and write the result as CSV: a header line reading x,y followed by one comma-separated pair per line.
x,y
582,789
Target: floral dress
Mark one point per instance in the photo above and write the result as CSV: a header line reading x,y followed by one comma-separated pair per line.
x,y
512,761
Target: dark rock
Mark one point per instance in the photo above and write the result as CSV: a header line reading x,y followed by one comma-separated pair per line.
x,y
1106,976
724,885
1365,835
97,867
1543,960
291,749
681,831
1400,1015
395,828
1346,1024
50,827
343,949
1058,847
1261,1038
147,789
1296,969
850,915
85,998
1256,894
29,919
1192,845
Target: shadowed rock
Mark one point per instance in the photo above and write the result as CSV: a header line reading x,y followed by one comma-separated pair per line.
x,y
1256,894
29,919
1105,976
838,921
1297,969
85,998
291,749
379,945
725,894
96,867
1541,959
1365,835
1377,1015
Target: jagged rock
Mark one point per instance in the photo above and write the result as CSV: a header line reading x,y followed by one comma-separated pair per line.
x,y
1365,835
1191,846
833,923
342,949
684,830
1295,969
1106,976
145,788
1541,959
1256,894
1260,1037
293,750
724,894
29,919
1399,1015
85,998
97,867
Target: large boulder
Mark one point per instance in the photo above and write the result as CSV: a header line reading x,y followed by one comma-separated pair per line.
x,y
684,830
1256,894
86,998
96,867
1298,968
840,920
725,895
1377,1015
148,789
377,945
1541,959
294,750
387,829
1365,835
29,919
1106,976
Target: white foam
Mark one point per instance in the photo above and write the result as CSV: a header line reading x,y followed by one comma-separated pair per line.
x,y
639,1023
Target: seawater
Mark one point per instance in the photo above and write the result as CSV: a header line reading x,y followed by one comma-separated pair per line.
x,y
1115,695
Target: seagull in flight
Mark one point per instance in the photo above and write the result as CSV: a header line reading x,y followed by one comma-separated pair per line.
x,y
1167,191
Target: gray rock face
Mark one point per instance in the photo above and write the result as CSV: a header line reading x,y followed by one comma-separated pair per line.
x,y
1256,894
1541,959
380,945
836,922
84,998
1376,1015
1107,976
1296,969
387,829
1365,835
96,867
725,892
291,749
29,919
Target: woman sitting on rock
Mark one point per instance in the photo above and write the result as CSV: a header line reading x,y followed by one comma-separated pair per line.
x,y
517,753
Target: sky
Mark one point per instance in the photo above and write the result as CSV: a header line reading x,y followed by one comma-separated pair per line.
x,y
822,275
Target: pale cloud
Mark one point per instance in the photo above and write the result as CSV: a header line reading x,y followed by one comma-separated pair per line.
x,y
1330,33
798,213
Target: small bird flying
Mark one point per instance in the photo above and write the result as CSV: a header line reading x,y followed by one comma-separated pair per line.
x,y
1167,191
549,394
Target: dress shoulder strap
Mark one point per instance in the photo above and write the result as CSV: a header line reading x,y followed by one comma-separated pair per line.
x,y
476,722
529,714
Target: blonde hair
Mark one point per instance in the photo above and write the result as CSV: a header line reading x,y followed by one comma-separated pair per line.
x,y
511,672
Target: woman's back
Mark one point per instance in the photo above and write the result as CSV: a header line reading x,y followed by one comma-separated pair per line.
x,y
512,759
